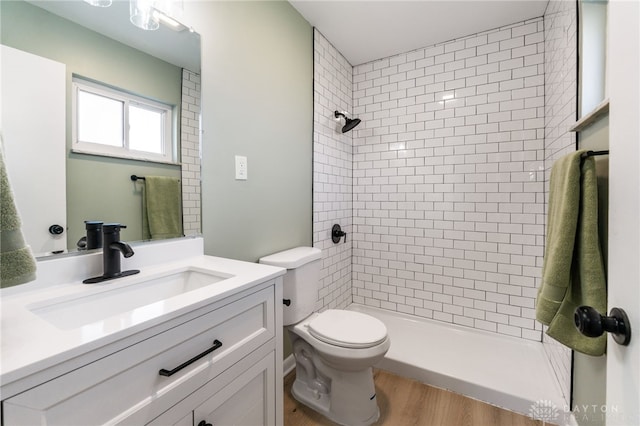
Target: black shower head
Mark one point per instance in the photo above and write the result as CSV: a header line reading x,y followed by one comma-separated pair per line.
x,y
349,123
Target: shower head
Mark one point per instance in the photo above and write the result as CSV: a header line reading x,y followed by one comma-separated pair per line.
x,y
349,123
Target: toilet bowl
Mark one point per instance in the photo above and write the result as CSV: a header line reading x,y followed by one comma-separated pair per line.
x,y
334,350
334,372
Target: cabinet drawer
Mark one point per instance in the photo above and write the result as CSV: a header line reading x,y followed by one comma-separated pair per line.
x,y
243,395
126,387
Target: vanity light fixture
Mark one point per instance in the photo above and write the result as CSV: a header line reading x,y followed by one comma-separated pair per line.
x,y
148,14
142,14
99,3
169,21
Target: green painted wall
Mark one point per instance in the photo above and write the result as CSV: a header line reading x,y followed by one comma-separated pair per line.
x,y
98,188
257,101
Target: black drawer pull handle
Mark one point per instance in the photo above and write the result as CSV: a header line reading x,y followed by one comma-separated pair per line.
x,y
216,344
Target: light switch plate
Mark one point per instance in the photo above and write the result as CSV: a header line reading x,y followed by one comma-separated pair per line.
x,y
241,167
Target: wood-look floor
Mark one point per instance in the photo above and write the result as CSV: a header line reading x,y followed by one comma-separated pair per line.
x,y
406,402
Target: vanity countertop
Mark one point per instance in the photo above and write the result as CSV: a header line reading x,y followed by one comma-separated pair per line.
x,y
31,344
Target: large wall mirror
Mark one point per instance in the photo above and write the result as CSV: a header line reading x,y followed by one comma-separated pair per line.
x,y
98,46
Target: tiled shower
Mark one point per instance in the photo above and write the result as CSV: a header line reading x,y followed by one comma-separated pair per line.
x,y
441,188
448,182
332,173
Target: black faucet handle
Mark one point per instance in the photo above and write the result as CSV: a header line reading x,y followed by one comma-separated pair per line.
x,y
93,239
109,228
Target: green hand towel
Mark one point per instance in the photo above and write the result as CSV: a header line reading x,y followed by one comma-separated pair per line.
x,y
583,276
588,281
161,208
17,264
562,221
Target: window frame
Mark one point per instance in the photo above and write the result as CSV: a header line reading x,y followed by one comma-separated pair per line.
x,y
84,147
592,61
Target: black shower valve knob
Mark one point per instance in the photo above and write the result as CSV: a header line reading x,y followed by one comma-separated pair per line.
x,y
337,233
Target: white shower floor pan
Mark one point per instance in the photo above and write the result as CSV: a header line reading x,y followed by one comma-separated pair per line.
x,y
501,370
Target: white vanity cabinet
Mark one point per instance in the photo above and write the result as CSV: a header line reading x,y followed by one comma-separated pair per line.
x,y
239,396
222,366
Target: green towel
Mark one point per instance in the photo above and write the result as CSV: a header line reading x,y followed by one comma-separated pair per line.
x,y
17,265
562,221
161,208
573,270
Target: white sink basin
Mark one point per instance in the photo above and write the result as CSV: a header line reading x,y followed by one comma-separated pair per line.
x,y
138,297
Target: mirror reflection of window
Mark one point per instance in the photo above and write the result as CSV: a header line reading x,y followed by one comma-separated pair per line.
x,y
100,119
146,129
116,123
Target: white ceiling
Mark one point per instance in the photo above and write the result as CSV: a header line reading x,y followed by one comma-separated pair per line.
x,y
367,30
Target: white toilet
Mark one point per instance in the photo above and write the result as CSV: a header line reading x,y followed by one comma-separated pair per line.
x,y
334,350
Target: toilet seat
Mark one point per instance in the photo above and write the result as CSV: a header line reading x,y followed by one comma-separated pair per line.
x,y
347,329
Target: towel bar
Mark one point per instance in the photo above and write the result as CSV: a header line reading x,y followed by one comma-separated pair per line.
x,y
594,153
135,178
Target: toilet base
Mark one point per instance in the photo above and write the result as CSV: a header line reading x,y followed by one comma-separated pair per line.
x,y
345,397
321,404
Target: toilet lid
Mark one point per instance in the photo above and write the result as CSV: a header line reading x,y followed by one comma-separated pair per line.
x,y
348,329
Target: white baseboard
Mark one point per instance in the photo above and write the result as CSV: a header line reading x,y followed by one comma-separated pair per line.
x,y
288,365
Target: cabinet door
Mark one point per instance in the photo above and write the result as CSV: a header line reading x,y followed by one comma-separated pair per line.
x,y
185,421
244,395
246,401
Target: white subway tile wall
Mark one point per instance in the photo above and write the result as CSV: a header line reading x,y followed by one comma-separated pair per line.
x,y
190,153
332,172
561,59
448,180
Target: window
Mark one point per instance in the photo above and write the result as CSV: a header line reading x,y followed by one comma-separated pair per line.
x,y
112,122
593,55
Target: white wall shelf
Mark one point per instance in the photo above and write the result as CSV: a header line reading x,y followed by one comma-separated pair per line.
x,y
590,118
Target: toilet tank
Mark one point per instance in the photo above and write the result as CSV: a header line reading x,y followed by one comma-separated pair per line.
x,y
300,281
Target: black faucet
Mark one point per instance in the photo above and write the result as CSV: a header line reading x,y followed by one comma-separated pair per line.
x,y
93,239
112,248
94,233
